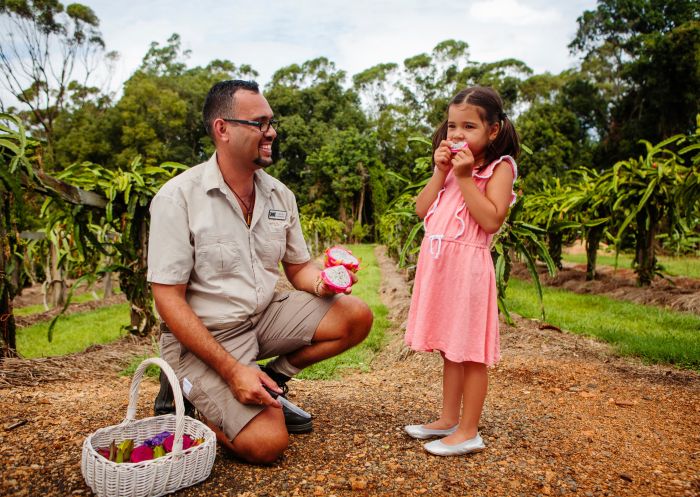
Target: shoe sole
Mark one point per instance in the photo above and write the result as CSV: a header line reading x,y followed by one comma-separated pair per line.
x,y
303,428
473,451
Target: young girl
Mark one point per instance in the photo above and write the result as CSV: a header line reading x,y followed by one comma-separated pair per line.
x,y
454,308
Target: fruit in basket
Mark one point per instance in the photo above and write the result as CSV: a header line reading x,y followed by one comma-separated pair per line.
x,y
340,256
141,453
186,442
124,450
158,451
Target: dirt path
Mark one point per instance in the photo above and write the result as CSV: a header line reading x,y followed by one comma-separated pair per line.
x,y
563,417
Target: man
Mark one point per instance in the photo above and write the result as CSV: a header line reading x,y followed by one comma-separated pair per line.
x,y
218,234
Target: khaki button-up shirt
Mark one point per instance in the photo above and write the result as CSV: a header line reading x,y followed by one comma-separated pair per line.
x,y
198,236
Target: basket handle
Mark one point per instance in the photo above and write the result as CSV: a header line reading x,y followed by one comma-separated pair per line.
x,y
177,393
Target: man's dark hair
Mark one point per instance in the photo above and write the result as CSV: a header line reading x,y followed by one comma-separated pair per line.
x,y
219,101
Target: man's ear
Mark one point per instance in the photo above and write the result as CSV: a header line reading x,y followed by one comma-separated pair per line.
x,y
218,128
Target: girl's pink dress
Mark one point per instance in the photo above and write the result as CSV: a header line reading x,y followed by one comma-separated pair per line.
x,y
454,307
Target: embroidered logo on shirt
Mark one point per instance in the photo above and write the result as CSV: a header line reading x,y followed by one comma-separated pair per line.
x,y
277,215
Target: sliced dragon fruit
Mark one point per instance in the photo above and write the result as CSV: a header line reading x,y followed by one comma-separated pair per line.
x,y
456,147
337,278
340,256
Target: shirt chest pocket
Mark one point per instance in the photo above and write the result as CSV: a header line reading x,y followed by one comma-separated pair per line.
x,y
217,256
274,246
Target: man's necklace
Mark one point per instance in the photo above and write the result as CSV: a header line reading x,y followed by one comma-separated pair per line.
x,y
248,208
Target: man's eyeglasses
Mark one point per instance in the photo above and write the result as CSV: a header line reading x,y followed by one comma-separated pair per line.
x,y
263,126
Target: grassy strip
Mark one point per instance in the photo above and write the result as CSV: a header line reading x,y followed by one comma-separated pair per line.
x,y
674,266
654,334
367,288
74,332
87,296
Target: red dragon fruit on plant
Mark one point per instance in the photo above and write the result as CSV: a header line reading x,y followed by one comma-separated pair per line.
x,y
340,256
337,278
456,147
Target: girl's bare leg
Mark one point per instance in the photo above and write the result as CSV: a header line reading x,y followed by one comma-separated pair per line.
x,y
475,386
452,388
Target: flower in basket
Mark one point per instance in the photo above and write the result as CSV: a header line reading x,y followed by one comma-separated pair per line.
x,y
187,442
158,439
142,453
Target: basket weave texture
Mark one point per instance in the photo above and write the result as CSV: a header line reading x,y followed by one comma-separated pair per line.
x,y
176,470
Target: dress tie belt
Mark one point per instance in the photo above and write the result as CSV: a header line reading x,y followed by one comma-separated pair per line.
x,y
438,239
435,242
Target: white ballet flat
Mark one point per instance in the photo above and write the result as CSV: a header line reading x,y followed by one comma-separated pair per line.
x,y
421,432
439,448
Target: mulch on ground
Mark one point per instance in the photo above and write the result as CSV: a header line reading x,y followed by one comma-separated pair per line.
x,y
564,416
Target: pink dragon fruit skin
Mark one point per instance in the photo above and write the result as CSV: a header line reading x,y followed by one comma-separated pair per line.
x,y
141,453
456,147
337,256
168,443
337,278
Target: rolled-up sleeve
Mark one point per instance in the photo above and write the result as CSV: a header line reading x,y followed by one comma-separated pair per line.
x,y
170,249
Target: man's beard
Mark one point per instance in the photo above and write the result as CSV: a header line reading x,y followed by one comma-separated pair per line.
x,y
259,161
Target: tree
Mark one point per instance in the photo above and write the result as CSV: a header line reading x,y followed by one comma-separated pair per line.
x,y
158,117
45,46
645,56
13,164
657,191
313,104
349,168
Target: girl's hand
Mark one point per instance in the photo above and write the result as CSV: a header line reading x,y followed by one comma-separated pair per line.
x,y
463,163
443,157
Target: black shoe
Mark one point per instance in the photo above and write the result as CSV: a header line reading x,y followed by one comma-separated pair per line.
x,y
296,423
165,400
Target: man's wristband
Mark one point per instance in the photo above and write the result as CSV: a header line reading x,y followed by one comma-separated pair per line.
x,y
317,287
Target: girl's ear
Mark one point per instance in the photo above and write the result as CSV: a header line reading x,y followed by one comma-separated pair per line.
x,y
494,130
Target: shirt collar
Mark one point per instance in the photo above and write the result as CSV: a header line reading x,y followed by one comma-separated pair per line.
x,y
213,179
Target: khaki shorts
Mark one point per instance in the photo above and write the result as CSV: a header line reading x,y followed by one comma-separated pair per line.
x,y
288,324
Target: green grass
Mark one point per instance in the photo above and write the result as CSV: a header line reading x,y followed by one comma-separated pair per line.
x,y
652,333
359,357
77,299
674,266
73,332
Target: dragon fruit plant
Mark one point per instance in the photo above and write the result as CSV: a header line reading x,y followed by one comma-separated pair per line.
x,y
337,278
340,256
456,147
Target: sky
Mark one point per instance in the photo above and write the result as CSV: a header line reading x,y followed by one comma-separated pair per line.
x,y
354,34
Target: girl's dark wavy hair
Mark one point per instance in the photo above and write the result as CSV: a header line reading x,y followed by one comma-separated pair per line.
x,y
490,108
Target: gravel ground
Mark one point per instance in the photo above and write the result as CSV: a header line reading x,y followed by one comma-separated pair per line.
x,y
564,416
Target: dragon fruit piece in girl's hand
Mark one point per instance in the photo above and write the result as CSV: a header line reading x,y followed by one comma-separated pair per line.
x,y
456,147
141,453
340,256
337,278
170,441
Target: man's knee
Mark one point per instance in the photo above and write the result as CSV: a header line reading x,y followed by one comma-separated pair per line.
x,y
263,450
263,439
359,318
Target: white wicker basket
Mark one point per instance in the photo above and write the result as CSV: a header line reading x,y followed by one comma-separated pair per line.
x,y
176,470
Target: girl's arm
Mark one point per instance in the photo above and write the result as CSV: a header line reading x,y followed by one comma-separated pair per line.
x,y
489,210
443,163
430,192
